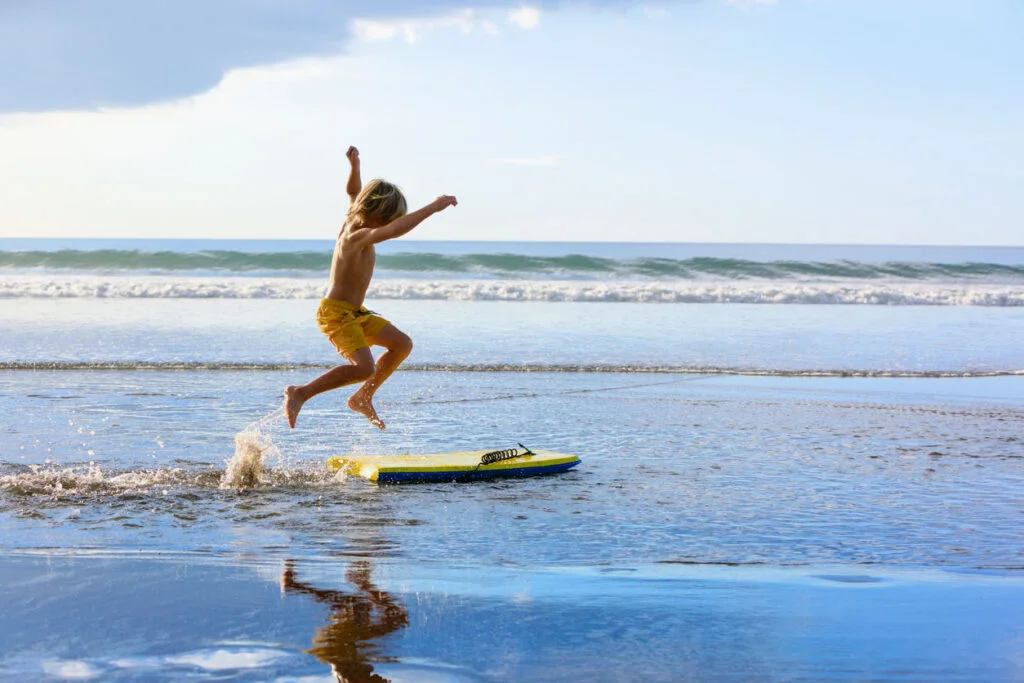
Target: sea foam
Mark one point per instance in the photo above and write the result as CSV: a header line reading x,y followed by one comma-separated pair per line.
x,y
857,292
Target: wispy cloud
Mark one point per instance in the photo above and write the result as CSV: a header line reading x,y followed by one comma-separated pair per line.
x,y
411,30
525,16
543,160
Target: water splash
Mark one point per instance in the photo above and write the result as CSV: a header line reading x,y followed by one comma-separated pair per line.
x,y
245,468
78,482
54,481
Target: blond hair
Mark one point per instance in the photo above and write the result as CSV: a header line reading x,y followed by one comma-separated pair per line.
x,y
378,200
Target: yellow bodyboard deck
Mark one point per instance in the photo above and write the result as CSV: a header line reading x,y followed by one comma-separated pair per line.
x,y
460,466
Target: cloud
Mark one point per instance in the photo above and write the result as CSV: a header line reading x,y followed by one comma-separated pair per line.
x,y
543,160
91,54
412,30
525,16
64,54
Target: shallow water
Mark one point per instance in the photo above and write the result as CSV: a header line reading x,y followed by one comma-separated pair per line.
x,y
675,469
769,339
778,526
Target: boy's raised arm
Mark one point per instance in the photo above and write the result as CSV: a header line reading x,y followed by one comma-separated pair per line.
x,y
406,223
355,183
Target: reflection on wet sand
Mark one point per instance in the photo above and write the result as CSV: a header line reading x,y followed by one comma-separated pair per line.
x,y
357,619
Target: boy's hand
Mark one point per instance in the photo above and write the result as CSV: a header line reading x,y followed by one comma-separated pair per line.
x,y
353,155
443,202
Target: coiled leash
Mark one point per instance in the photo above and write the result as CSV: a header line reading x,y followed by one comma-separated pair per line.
x,y
496,456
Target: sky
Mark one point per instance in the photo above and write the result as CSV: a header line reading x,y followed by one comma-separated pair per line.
x,y
787,121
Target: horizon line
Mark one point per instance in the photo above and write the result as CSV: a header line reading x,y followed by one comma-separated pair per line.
x,y
514,241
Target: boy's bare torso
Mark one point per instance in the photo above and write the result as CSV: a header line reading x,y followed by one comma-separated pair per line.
x,y
351,266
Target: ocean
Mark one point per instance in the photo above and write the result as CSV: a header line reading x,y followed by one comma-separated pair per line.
x,y
798,462
509,271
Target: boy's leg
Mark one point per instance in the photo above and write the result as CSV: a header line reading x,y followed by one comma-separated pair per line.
x,y
359,369
398,346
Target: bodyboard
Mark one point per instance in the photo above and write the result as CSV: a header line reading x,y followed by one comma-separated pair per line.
x,y
459,466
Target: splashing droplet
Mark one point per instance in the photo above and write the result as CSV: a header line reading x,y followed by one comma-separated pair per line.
x,y
252,444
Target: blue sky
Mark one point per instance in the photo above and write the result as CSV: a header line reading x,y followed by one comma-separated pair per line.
x,y
831,121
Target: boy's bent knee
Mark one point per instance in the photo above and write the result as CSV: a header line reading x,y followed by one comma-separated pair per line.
x,y
401,344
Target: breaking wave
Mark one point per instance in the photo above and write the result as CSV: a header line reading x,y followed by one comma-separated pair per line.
x,y
502,265
857,292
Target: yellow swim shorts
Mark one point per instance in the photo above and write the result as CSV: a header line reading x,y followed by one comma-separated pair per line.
x,y
347,326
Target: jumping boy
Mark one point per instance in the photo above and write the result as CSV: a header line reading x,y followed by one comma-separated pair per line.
x,y
376,213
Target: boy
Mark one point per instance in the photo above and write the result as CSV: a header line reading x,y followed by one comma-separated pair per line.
x,y
376,213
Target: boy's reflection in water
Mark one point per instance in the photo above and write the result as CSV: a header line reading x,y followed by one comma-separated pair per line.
x,y
357,619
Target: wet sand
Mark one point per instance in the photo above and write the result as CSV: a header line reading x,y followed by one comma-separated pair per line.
x,y
162,616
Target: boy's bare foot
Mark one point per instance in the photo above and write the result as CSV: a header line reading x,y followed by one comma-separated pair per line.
x,y
292,404
362,404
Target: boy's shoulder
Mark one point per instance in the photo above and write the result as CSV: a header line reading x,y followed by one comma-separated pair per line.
x,y
351,226
353,232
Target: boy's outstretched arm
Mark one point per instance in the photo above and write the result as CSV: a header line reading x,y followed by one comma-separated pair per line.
x,y
406,223
355,183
